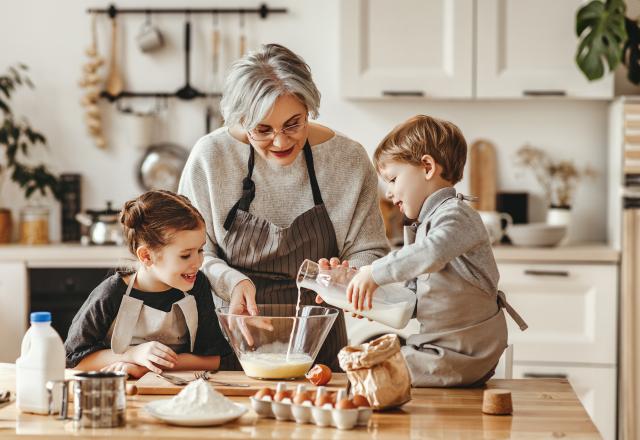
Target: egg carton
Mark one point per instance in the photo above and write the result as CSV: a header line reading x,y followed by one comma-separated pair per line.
x,y
324,416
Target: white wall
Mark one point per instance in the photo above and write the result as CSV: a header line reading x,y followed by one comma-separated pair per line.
x,y
51,37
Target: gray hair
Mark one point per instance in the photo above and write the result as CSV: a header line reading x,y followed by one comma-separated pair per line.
x,y
259,78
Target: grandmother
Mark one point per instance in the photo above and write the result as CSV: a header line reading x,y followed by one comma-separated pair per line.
x,y
275,189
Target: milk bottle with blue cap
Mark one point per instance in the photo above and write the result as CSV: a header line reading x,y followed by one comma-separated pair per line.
x,y
42,358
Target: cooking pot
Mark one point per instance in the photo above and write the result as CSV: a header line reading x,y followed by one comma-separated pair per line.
x,y
104,227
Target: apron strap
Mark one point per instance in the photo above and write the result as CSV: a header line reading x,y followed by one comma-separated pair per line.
x,y
249,187
502,302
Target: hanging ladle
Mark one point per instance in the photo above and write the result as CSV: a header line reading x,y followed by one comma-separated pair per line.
x,y
187,92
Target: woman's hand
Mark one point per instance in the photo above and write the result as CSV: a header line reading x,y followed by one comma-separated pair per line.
x,y
361,288
243,299
330,264
150,355
134,371
243,302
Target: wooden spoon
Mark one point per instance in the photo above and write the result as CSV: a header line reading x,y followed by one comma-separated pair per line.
x,y
114,84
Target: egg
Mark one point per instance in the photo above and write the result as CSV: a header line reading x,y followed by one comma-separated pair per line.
x,y
319,375
360,400
281,395
263,392
345,404
324,400
302,397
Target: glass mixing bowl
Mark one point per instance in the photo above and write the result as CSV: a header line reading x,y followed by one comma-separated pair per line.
x,y
277,344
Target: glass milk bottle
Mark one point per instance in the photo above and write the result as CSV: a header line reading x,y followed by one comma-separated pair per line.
x,y
392,304
42,358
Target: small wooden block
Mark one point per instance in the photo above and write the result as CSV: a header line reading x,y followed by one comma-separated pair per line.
x,y
497,402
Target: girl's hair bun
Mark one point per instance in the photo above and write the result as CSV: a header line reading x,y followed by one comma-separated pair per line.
x,y
132,215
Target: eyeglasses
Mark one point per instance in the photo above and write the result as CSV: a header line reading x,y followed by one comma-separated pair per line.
x,y
269,134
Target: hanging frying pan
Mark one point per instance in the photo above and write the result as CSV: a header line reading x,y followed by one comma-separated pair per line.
x,y
161,166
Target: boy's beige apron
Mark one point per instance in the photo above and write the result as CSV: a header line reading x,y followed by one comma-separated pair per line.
x,y
271,255
445,353
136,323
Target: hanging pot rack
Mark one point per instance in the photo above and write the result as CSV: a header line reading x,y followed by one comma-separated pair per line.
x,y
112,11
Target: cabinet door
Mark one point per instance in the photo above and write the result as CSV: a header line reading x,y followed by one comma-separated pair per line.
x,y
594,386
527,48
406,48
570,309
13,309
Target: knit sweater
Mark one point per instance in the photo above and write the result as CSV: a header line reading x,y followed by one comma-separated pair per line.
x,y
212,179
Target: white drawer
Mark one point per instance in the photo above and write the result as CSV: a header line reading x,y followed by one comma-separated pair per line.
x,y
595,387
571,311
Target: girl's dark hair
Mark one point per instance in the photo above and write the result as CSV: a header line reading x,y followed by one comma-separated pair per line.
x,y
153,218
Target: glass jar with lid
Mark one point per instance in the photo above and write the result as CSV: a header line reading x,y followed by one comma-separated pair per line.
x,y
34,225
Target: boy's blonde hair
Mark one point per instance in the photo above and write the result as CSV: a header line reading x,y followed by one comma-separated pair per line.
x,y
421,135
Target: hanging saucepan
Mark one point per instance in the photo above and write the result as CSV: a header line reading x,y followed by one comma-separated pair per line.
x,y
161,166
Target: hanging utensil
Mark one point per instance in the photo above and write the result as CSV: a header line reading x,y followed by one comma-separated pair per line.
x,y
213,77
243,37
187,92
114,84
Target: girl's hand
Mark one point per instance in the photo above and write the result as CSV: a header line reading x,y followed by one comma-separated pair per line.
x,y
150,355
134,371
330,264
361,288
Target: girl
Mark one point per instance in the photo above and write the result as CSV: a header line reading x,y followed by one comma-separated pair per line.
x,y
160,316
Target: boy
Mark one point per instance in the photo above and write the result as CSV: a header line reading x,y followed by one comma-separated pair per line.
x,y
447,257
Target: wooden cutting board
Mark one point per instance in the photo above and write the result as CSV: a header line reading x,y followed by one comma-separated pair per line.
x,y
151,383
482,175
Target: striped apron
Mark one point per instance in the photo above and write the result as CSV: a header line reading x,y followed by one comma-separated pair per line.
x,y
270,256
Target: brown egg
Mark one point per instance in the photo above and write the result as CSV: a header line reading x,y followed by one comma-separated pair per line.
x,y
281,395
319,375
345,404
360,400
262,392
323,400
302,397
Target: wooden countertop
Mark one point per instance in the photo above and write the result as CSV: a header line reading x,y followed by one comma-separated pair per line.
x,y
543,408
76,255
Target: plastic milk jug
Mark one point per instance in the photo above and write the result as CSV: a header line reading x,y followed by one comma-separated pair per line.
x,y
42,358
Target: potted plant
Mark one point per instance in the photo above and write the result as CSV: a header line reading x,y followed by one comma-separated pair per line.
x,y
558,179
607,37
17,140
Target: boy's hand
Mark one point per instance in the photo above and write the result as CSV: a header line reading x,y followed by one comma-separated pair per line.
x,y
150,355
361,288
134,371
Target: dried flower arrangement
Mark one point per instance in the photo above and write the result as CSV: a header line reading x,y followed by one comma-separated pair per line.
x,y
558,179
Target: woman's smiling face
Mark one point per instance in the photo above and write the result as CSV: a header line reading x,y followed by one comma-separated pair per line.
x,y
289,114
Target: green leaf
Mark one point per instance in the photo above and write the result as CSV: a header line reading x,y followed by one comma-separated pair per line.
x,y
601,29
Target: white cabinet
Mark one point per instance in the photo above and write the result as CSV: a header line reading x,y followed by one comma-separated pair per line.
x,y
594,386
527,48
14,306
443,49
570,308
407,48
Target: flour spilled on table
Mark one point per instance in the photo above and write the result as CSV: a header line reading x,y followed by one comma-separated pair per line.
x,y
198,399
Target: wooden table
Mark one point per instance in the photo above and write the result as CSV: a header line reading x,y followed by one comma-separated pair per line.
x,y
543,408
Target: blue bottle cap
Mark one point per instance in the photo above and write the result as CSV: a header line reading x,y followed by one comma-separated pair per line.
x,y
41,317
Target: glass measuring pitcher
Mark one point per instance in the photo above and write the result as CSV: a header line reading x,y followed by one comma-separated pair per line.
x,y
392,305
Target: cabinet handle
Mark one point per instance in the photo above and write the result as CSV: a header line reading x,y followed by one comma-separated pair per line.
x,y
545,375
547,273
414,93
544,93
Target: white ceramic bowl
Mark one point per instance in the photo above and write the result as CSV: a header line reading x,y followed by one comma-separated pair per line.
x,y
536,234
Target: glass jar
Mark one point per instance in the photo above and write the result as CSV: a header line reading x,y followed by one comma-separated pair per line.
x,y
34,225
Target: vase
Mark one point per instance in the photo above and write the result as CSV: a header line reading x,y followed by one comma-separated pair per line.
x,y
560,216
34,225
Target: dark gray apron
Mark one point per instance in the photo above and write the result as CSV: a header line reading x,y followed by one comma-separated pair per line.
x,y
270,256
